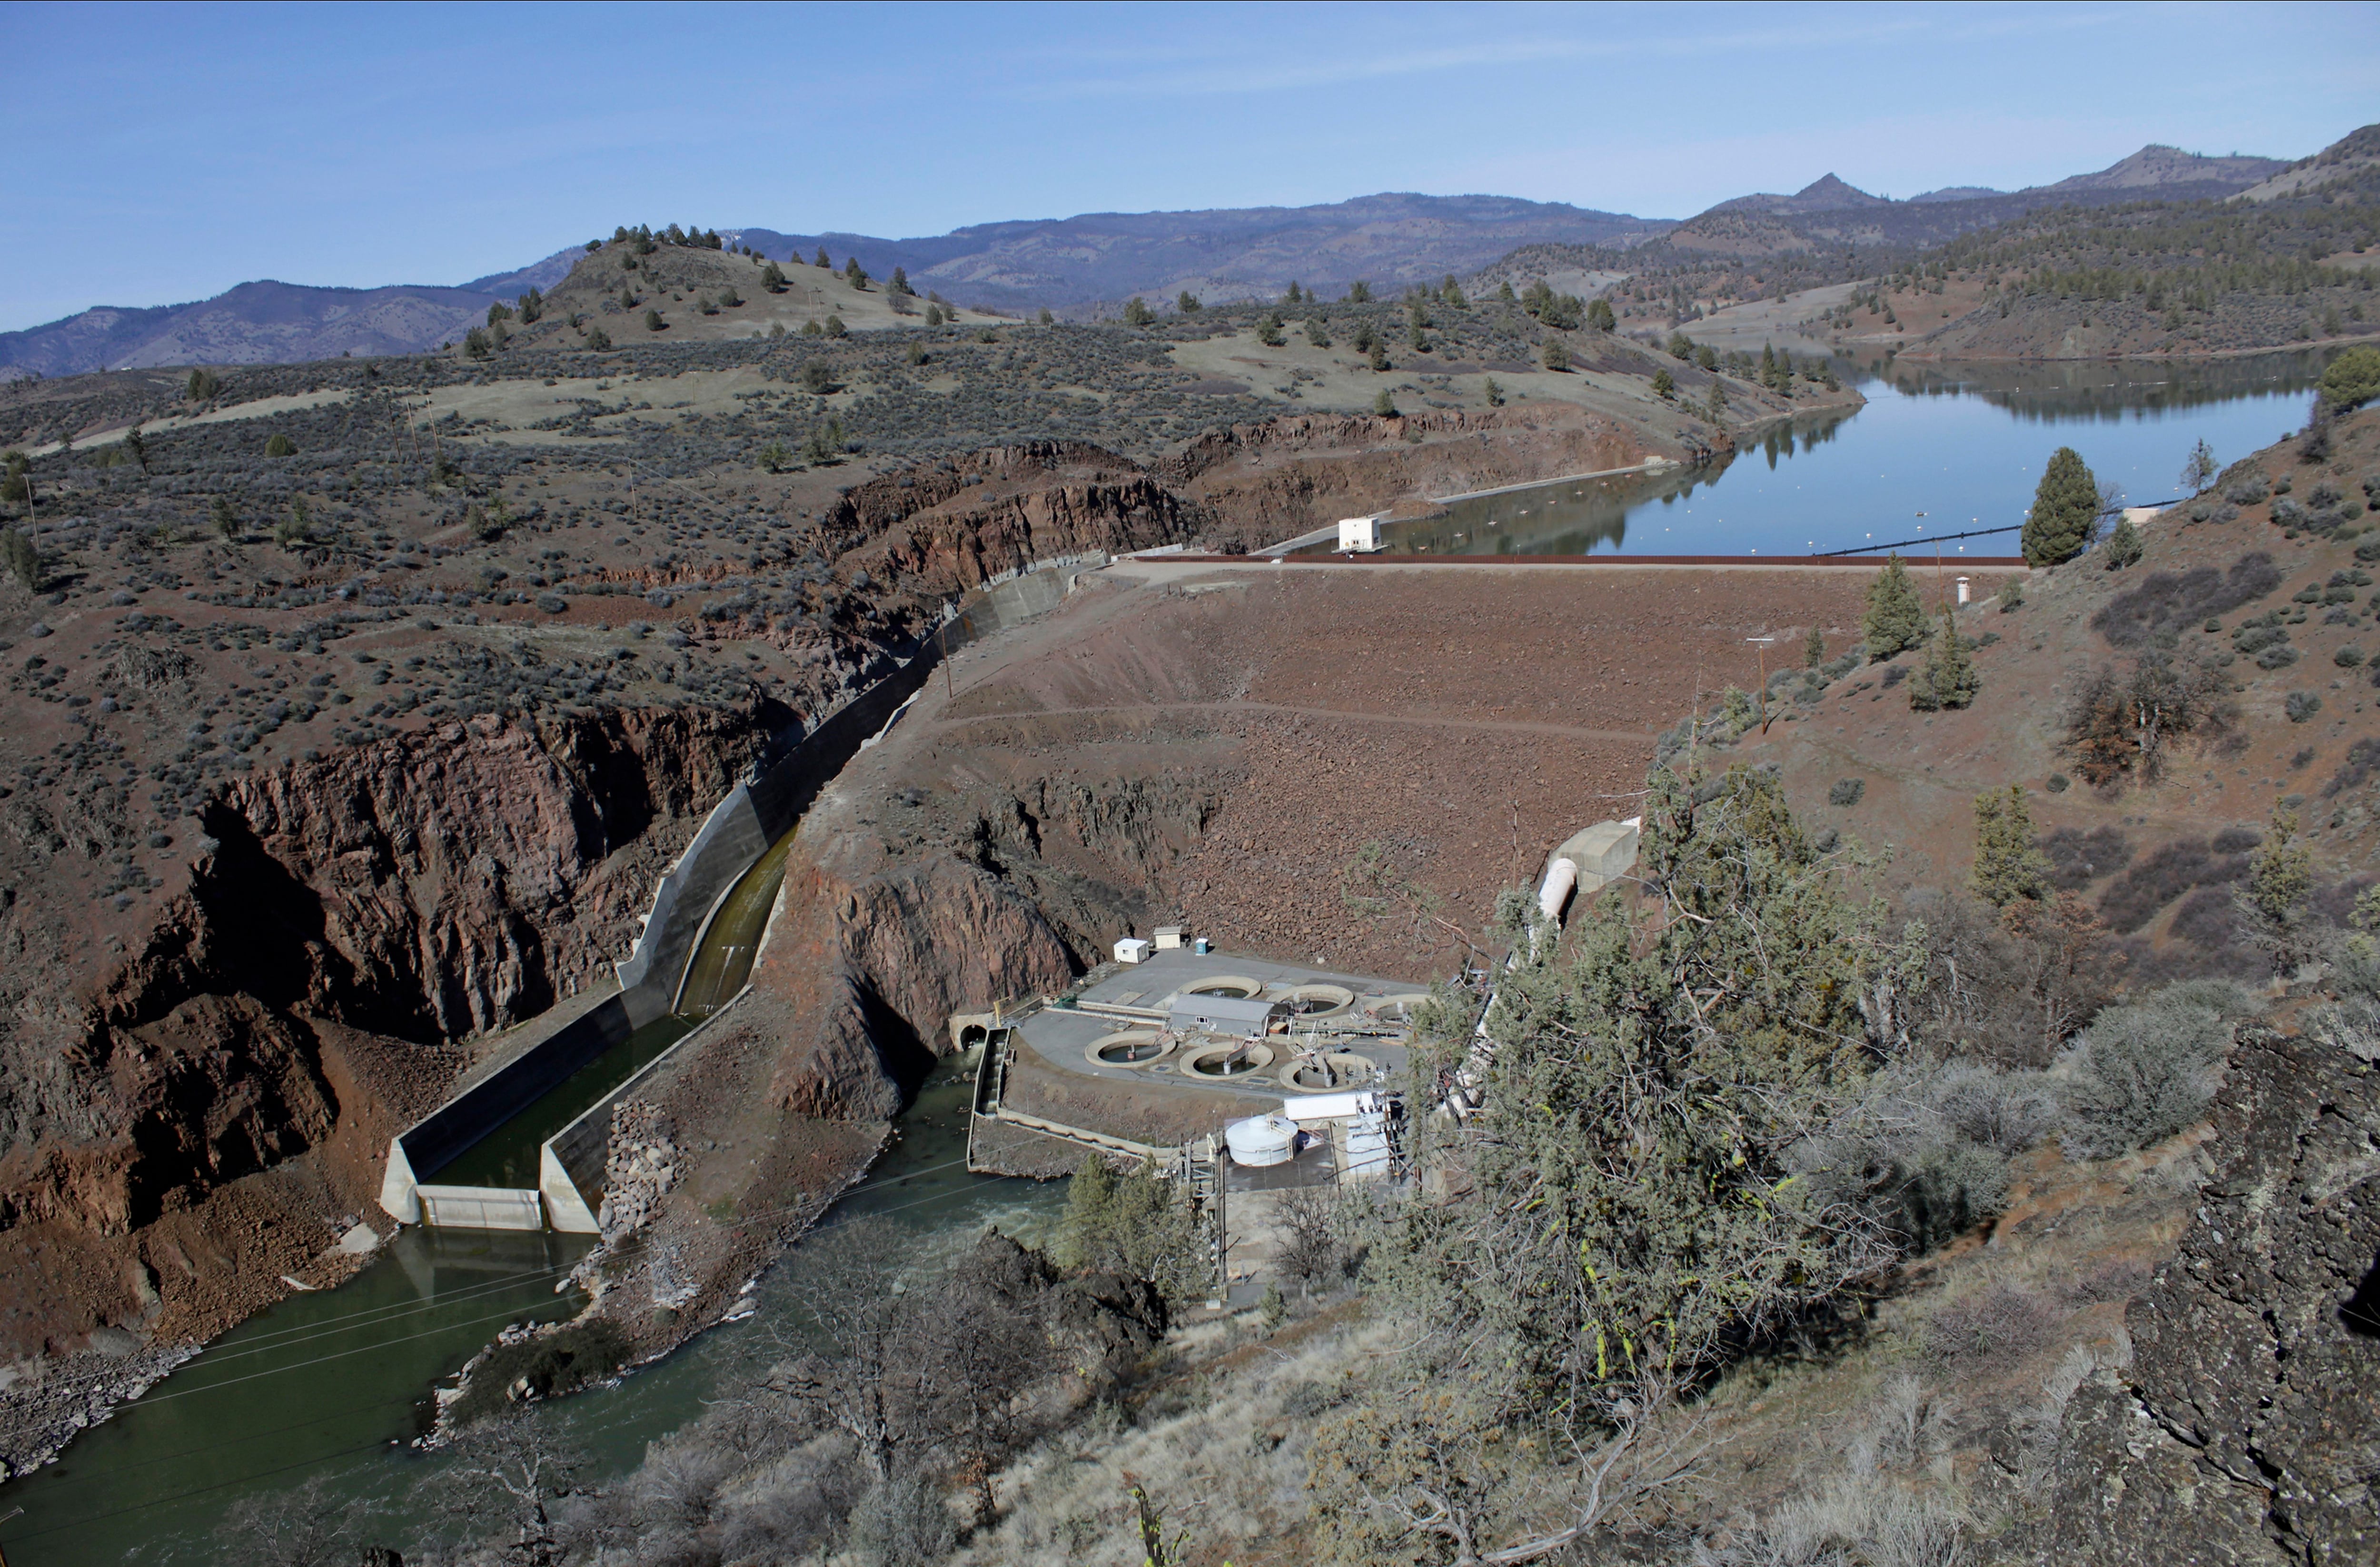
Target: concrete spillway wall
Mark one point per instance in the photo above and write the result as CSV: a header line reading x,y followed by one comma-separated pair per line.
x,y
765,806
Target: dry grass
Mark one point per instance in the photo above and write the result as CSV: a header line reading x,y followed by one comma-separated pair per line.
x,y
1221,1454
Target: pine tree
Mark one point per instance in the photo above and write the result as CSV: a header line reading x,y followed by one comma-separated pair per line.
x,y
2123,547
2065,508
1186,302
2007,865
1600,315
900,284
22,558
1895,620
822,264
1949,677
1137,312
2280,879
2200,471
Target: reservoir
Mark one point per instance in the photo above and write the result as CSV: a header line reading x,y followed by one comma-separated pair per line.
x,y
333,1386
1963,445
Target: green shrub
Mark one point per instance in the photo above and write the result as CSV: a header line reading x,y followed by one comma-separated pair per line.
x,y
2141,1073
22,558
279,446
1137,1224
2352,379
1847,792
1895,618
2065,509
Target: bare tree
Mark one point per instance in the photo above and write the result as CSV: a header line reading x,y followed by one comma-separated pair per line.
x,y
303,1527
1309,1250
985,1347
507,1476
861,1331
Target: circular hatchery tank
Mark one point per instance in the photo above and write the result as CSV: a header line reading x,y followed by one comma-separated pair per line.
x,y
1135,1047
1210,1062
1396,1008
1317,1001
1335,1073
1239,987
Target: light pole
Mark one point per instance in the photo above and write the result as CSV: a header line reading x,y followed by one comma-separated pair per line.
x,y
1761,644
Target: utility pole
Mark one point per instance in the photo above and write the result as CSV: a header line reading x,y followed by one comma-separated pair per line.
x,y
1761,644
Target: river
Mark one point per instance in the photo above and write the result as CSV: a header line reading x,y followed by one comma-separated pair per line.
x,y
1939,448
333,1386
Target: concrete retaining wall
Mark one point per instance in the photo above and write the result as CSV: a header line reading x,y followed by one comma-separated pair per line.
x,y
765,806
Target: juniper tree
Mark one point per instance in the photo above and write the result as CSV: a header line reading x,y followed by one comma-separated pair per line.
x,y
22,558
1814,649
2009,867
1631,1203
1187,303
1600,315
2065,511
1948,678
2123,547
1137,1224
1384,405
1137,312
2352,379
822,264
1317,331
1359,293
1665,386
2273,898
2200,470
772,279
1895,620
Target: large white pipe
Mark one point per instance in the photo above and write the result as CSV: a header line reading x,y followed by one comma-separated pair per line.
x,y
1561,880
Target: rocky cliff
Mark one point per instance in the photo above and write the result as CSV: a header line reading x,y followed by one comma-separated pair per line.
x,y
416,891
2243,1429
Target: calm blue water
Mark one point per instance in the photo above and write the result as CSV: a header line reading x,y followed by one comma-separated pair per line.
x,y
1963,445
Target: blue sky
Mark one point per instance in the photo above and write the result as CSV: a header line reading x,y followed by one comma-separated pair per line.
x,y
163,154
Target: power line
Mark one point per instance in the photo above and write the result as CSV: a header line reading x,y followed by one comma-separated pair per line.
x,y
407,1338
1930,538
372,1446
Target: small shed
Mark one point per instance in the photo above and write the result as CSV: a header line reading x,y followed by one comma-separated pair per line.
x,y
1132,950
1238,1016
1360,535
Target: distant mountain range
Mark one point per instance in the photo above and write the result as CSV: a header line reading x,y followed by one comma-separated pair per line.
x,y
1084,265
